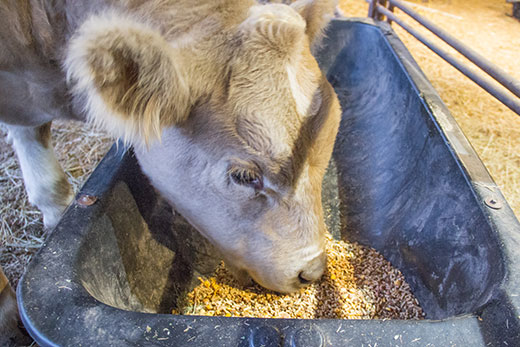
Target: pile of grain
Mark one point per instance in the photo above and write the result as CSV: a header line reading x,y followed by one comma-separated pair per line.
x,y
358,284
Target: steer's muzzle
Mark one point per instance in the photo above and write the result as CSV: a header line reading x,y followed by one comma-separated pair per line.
x,y
313,269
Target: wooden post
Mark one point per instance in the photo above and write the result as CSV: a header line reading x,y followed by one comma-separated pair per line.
x,y
391,9
372,9
379,15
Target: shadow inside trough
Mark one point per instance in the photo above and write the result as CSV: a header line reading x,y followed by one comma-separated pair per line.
x,y
156,262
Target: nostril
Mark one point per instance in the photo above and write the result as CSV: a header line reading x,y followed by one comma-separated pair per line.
x,y
302,279
313,269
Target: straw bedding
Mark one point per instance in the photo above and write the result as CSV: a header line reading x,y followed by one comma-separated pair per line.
x,y
79,148
358,284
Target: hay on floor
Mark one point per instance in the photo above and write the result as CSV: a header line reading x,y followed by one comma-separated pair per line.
x,y
79,147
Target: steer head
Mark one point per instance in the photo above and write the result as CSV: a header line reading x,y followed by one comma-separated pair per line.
x,y
235,129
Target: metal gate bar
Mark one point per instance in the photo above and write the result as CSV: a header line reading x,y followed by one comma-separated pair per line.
x,y
512,102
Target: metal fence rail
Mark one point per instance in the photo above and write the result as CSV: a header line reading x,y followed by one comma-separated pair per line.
x,y
378,9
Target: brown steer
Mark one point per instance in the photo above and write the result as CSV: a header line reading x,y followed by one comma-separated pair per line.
x,y
228,112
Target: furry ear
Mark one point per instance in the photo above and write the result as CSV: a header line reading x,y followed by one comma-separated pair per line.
x,y
273,27
128,77
317,14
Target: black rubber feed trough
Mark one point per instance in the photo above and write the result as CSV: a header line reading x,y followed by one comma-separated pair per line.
x,y
403,180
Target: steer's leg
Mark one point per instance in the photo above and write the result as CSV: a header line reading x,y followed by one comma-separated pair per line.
x,y
44,179
10,332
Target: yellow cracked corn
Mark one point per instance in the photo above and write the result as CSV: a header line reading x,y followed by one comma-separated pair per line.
x,y
358,284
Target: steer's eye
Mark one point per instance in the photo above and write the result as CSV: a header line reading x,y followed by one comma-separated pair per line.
x,y
246,177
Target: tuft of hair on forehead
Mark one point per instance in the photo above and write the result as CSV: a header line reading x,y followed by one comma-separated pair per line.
x,y
273,27
317,15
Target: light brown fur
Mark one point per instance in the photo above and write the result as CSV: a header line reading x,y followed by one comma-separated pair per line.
x,y
213,95
10,332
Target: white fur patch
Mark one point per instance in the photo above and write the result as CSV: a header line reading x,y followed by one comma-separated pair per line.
x,y
41,172
301,96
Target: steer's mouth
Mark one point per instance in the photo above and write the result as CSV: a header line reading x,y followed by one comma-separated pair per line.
x,y
283,285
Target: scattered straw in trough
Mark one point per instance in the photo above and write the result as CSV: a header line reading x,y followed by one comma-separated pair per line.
x,y
358,284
